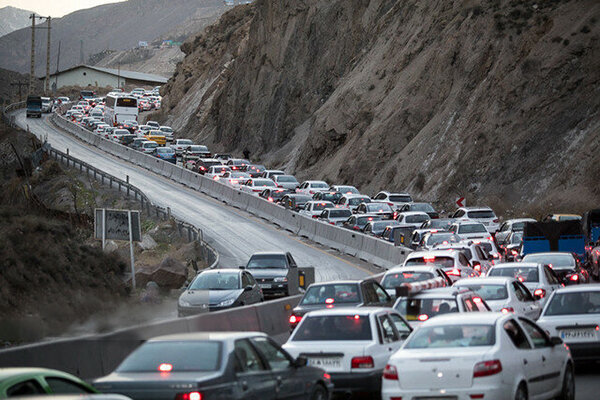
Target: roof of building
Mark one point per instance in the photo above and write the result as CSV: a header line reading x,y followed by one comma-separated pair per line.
x,y
140,76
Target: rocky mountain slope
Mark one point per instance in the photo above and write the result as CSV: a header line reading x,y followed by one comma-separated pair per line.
x,y
116,26
13,19
493,100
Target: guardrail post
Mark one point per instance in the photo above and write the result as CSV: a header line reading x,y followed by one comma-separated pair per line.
x,y
168,213
67,151
110,182
127,185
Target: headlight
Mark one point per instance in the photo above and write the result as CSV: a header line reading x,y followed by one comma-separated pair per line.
x,y
227,302
280,279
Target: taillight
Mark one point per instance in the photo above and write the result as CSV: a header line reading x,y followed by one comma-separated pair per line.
x,y
423,317
496,220
507,310
356,228
362,362
574,278
189,396
315,216
270,199
540,292
487,368
454,272
390,372
294,319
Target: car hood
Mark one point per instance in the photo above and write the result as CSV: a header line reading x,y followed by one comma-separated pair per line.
x,y
259,273
199,297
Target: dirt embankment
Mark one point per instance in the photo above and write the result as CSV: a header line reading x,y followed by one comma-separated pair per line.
x,y
493,100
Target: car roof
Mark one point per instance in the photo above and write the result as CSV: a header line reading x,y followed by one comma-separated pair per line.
x,y
516,264
413,213
269,253
219,270
550,253
342,282
395,193
315,182
221,336
487,318
354,195
515,220
12,372
467,222
435,253
348,311
492,280
483,208
579,288
317,201
402,268
449,292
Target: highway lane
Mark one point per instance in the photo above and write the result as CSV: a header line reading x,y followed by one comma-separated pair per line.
x,y
233,233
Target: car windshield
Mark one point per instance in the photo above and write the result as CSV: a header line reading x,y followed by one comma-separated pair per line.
x,y
286,178
488,291
362,221
425,207
339,213
321,206
417,218
471,228
378,207
423,309
174,356
264,182
452,336
333,328
442,238
165,150
357,200
332,294
390,281
319,185
580,302
267,261
400,198
481,214
524,274
347,189
216,281
553,260
445,262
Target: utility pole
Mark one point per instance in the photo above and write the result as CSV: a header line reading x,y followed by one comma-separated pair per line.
x,y
119,75
47,87
57,62
32,69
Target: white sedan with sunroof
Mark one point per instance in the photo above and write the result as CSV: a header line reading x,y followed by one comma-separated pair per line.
x,y
489,356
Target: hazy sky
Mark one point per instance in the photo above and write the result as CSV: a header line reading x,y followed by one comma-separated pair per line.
x,y
54,8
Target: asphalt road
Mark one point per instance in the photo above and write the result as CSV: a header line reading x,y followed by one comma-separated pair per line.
x,y
236,234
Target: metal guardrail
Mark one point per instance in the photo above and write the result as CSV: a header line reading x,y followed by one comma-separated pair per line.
x,y
10,119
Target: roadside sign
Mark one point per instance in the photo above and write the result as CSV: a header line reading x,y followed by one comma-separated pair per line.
x,y
460,202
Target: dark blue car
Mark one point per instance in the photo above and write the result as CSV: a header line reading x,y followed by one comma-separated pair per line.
x,y
166,154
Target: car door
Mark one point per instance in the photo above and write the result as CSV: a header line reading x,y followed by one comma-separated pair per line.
x,y
503,233
253,376
389,340
247,297
553,280
289,380
528,305
551,359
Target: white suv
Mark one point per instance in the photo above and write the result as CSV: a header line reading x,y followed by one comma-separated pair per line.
x,y
395,200
485,215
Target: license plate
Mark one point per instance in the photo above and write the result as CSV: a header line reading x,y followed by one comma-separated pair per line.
x,y
437,398
578,334
326,362
265,285
486,223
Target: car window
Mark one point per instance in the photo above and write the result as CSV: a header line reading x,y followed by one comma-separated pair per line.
x,y
333,293
537,336
446,336
247,359
382,295
334,328
388,329
276,359
246,280
64,386
25,388
516,335
423,309
369,294
463,259
551,276
518,293
469,305
524,291
401,326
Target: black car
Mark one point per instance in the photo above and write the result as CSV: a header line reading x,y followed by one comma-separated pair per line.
x,y
362,293
376,228
274,195
126,140
238,164
328,196
215,365
382,209
358,222
271,271
217,289
255,170
203,164
423,207
295,201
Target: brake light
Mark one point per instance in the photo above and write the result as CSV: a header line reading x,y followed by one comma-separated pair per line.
x,y
514,252
329,300
429,259
294,319
454,272
423,317
327,376
356,228
216,178
362,362
270,199
165,367
487,368
477,267
390,372
331,223
574,278
540,292
390,204
189,396
506,310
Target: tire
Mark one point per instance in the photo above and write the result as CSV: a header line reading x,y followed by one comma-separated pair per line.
x,y
568,387
521,392
319,393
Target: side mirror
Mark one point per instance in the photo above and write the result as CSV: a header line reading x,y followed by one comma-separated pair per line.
x,y
242,267
555,340
248,288
537,297
301,361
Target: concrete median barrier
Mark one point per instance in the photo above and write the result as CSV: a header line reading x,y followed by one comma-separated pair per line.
x,y
307,226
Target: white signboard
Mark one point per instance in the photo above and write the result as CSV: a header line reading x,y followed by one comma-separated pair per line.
x,y
117,225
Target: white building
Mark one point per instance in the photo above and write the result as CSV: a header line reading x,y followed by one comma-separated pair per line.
x,y
86,75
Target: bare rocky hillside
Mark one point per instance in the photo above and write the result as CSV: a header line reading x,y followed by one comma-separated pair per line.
x,y
12,19
495,100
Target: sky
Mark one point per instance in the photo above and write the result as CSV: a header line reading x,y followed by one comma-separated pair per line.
x,y
54,8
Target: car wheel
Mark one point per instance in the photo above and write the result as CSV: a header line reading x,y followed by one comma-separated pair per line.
x,y
568,387
521,392
319,393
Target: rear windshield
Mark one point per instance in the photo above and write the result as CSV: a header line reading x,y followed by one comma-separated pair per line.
x,y
425,207
433,240
165,150
452,336
553,260
321,206
423,309
334,328
198,148
176,356
184,141
390,281
445,262
417,218
221,169
366,220
487,246
267,261
357,200
518,226
524,274
472,228
332,294
319,185
587,302
126,102
264,182
396,198
481,214
489,292
378,207
340,213
439,224
286,178
348,189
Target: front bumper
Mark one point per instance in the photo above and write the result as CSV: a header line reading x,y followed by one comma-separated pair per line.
x,y
357,381
191,310
276,289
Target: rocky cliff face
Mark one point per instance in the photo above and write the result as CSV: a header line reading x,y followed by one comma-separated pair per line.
x,y
494,100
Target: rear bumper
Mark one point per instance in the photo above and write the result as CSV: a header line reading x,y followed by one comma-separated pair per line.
x,y
357,382
390,389
585,351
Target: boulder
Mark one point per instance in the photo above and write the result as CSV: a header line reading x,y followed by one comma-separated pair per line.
x,y
170,274
147,243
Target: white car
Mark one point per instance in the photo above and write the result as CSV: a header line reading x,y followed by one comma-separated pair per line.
x,y
395,200
469,230
474,252
345,189
573,314
235,178
285,181
148,146
270,173
179,145
510,226
256,185
335,216
116,134
490,247
314,208
412,218
394,277
485,215
489,356
352,201
216,172
351,344
539,278
100,129
454,263
504,294
312,187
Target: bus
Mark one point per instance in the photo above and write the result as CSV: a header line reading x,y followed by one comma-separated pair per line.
x,y
118,109
87,94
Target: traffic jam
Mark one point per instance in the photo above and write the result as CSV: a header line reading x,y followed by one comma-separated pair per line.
x,y
481,308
